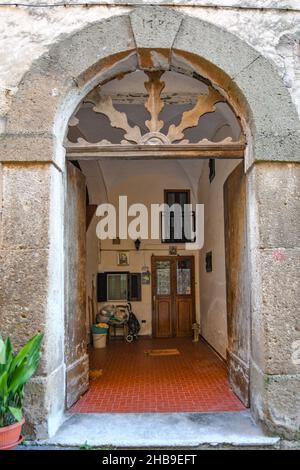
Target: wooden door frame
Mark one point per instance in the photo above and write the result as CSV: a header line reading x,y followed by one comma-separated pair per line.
x,y
154,258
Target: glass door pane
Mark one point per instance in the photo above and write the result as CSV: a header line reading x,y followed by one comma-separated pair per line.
x,y
183,276
163,278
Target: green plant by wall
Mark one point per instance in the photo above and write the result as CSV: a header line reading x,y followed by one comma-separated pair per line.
x,y
15,371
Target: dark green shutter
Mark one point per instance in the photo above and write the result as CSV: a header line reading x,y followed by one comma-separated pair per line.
x,y
135,287
101,287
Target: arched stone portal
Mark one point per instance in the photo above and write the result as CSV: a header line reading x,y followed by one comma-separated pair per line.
x,y
32,151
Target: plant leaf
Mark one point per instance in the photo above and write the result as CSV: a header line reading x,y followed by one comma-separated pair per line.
x,y
20,377
15,372
16,412
2,351
3,386
30,348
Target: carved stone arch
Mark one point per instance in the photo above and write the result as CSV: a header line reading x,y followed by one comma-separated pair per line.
x,y
152,38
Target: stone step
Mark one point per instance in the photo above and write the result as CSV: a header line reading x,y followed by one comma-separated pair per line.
x,y
161,430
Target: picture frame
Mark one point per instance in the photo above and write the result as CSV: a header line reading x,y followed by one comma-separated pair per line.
x,y
172,250
146,275
123,258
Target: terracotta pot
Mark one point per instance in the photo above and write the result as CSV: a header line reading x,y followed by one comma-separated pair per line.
x,y
10,436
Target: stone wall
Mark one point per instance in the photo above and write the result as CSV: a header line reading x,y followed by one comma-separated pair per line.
x,y
274,228
271,27
50,58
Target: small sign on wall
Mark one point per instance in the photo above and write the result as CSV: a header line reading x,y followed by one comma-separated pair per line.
x,y
146,275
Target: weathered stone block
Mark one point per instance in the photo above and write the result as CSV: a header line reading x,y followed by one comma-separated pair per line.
x,y
26,200
214,44
275,309
43,90
275,402
77,53
154,28
23,293
274,202
24,308
44,404
274,147
268,97
40,95
27,147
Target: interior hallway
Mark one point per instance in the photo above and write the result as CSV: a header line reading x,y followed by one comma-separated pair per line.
x,y
131,381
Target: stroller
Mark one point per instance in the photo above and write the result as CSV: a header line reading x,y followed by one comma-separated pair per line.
x,y
116,315
132,324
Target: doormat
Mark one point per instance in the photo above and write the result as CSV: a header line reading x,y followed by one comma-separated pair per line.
x,y
162,352
95,374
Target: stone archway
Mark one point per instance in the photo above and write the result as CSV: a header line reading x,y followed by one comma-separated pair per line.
x,y
32,152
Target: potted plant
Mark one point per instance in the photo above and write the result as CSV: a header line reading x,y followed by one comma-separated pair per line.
x,y
15,372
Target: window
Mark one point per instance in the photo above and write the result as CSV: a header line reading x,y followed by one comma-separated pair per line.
x,y
178,224
118,286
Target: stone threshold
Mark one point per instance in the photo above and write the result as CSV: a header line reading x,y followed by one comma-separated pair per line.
x,y
161,430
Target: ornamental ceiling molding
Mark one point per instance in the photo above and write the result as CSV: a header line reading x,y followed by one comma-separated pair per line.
x,y
154,104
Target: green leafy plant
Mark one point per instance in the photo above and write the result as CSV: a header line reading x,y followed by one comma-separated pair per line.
x,y
15,371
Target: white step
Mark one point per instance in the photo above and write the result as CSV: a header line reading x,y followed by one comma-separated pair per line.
x,y
152,430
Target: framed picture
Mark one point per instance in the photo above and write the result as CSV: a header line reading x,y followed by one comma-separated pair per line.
x,y
146,275
173,250
123,258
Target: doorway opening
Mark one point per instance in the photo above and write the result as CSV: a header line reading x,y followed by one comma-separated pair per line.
x,y
149,137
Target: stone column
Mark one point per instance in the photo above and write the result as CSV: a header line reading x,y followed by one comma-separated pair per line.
x,y
31,273
274,228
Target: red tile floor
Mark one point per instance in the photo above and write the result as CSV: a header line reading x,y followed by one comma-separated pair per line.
x,y
131,381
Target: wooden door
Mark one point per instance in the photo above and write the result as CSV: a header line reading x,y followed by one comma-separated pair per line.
x,y
77,367
173,296
237,283
184,295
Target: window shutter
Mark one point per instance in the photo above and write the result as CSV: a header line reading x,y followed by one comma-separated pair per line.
x,y
101,287
135,287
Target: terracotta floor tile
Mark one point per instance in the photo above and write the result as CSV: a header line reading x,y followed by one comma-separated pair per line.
x,y
131,381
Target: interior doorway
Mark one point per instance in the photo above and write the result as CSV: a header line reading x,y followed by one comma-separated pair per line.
x,y
173,296
175,285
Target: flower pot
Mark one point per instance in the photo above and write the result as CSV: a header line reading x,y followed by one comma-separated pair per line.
x,y
10,436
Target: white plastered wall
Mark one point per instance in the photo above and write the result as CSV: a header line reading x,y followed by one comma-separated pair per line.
x,y
213,284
